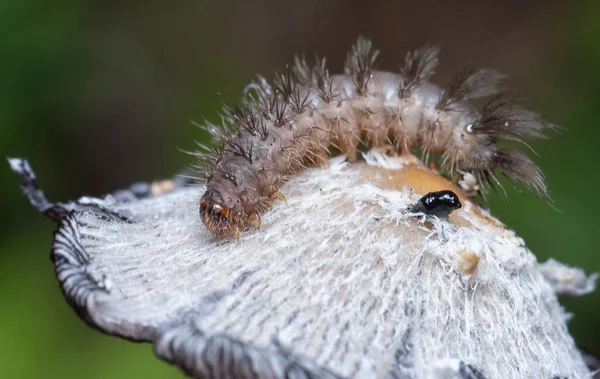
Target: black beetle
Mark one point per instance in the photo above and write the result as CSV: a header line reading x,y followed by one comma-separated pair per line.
x,y
439,204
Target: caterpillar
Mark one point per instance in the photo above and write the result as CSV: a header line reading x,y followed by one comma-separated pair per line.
x,y
292,121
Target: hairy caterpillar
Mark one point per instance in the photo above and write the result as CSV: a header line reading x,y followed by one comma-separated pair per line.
x,y
283,125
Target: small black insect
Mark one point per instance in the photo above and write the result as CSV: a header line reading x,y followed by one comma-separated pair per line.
x,y
439,204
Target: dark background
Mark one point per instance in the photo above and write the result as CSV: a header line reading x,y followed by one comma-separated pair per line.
x,y
99,94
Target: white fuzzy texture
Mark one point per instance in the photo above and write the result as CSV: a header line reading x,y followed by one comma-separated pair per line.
x,y
342,276
568,280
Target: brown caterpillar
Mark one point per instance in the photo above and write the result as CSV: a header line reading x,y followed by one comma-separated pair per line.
x,y
283,125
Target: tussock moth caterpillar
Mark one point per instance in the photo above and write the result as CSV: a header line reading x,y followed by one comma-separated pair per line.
x,y
283,125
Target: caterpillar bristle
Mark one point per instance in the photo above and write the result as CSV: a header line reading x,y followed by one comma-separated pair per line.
x,y
419,65
302,70
482,169
513,164
472,84
215,131
206,160
261,86
280,113
285,83
323,81
272,109
502,118
291,92
359,63
266,106
220,134
282,126
238,150
517,166
245,118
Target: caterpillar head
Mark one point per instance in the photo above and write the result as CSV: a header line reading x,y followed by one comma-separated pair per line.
x,y
221,213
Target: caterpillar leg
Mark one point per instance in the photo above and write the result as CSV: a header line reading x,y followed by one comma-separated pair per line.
x,y
254,219
351,154
468,183
387,149
350,144
321,157
403,145
406,153
279,196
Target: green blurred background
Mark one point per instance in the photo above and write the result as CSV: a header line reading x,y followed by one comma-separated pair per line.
x,y
99,94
